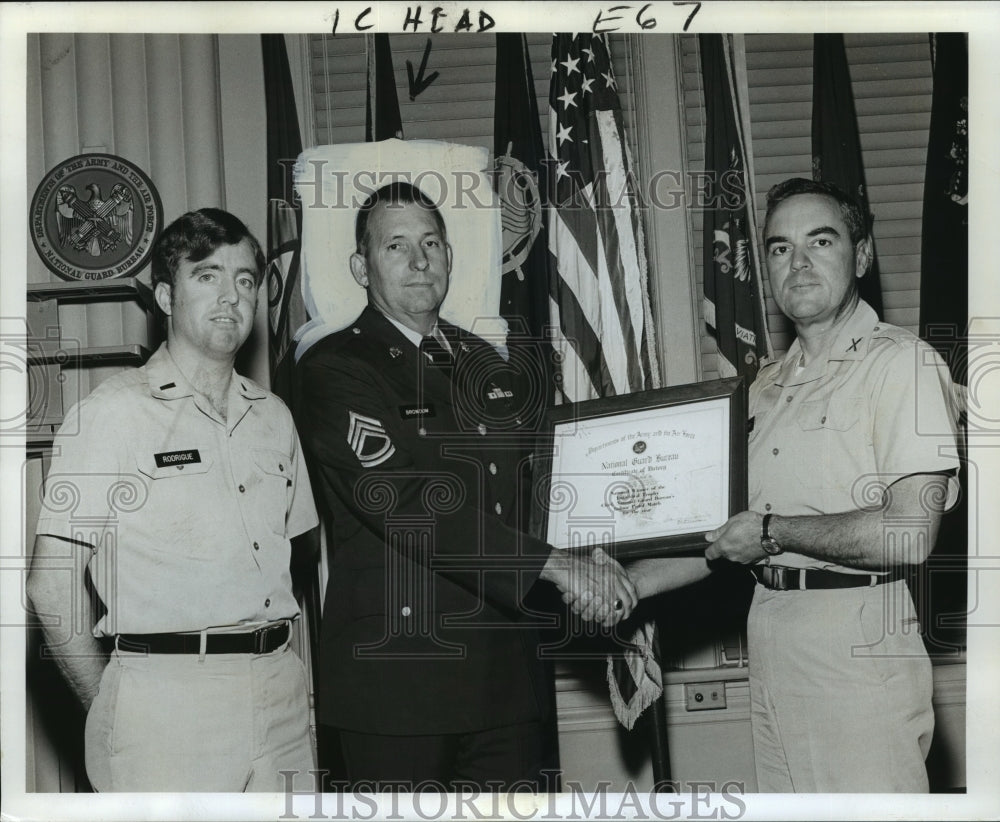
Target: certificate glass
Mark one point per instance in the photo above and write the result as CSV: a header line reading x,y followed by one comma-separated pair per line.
x,y
646,474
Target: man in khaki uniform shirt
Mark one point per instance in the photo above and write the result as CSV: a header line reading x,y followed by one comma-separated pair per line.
x,y
852,459
178,486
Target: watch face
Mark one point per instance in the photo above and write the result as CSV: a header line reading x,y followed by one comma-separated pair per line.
x,y
770,545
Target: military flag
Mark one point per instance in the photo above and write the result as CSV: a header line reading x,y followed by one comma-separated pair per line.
x,y
382,118
286,309
836,146
944,251
519,180
733,306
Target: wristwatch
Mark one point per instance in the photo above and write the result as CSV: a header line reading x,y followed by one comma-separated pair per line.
x,y
767,542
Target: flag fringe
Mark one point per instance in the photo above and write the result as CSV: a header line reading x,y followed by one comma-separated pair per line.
x,y
646,674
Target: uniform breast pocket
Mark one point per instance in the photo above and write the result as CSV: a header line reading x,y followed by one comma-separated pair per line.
x,y
822,426
177,484
274,470
834,414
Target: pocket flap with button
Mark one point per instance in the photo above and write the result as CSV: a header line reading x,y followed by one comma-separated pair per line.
x,y
275,463
836,413
179,462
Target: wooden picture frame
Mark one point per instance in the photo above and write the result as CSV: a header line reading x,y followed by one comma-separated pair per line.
x,y
644,474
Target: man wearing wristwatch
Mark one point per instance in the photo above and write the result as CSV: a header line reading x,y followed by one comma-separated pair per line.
x,y
852,459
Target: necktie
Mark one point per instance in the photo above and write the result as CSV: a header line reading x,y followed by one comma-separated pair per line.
x,y
438,355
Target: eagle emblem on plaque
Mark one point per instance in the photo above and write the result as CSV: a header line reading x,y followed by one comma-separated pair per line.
x,y
95,225
95,216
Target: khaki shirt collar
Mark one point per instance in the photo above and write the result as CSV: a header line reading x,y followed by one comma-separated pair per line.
x,y
851,343
167,382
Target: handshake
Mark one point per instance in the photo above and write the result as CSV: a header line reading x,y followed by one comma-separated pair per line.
x,y
592,583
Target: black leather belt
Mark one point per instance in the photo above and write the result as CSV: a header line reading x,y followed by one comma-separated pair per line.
x,y
262,641
778,578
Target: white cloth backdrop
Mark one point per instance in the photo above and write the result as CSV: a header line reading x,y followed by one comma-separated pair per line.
x,y
332,181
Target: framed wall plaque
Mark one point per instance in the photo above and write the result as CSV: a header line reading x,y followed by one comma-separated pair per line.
x,y
645,474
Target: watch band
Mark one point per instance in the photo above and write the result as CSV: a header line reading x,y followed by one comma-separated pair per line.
x,y
770,545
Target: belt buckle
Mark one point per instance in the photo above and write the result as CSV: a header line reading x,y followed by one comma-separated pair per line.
x,y
260,637
776,577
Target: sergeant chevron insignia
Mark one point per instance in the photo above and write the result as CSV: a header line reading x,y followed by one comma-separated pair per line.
x,y
368,440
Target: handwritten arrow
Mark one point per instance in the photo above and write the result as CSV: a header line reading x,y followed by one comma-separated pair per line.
x,y
419,83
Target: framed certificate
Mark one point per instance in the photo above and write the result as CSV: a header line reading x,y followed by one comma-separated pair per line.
x,y
645,474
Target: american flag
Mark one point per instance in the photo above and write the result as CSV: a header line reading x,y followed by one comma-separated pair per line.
x,y
599,299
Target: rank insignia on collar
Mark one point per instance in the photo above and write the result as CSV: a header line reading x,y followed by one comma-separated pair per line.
x,y
465,348
395,352
369,440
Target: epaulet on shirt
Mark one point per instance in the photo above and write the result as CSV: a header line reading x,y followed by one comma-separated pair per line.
x,y
887,331
351,335
255,387
128,380
766,363
124,380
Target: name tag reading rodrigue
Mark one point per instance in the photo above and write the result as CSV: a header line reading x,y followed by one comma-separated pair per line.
x,y
168,458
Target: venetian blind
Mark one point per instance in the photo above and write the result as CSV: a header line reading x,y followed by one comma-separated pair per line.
x,y
892,83
457,106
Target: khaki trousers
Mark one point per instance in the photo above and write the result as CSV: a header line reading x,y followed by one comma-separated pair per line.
x,y
840,691
184,722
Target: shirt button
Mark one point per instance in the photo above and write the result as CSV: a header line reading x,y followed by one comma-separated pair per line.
x,y
267,602
493,468
481,429
180,467
498,508
405,610
256,546
281,467
788,399
823,421
774,451
356,330
242,490
767,507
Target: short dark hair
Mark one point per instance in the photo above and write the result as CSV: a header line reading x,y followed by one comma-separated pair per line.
x,y
196,235
858,224
394,194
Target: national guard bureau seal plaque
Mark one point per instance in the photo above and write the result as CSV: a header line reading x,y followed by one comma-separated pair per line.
x,y
95,216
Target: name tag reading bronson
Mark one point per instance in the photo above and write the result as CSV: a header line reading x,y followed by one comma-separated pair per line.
x,y
410,412
169,458
649,479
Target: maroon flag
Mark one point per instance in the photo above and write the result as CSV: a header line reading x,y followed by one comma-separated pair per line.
x,y
286,309
733,304
382,118
836,146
